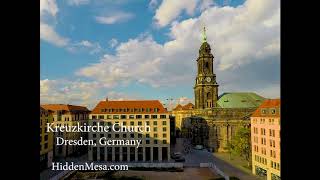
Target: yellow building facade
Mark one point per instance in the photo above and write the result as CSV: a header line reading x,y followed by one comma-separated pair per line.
x,y
46,139
68,115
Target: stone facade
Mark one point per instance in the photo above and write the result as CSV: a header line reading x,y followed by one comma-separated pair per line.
x,y
224,118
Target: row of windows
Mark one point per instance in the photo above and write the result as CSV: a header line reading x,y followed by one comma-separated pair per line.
x,y
263,121
131,135
264,152
275,165
260,159
139,116
155,123
130,110
272,132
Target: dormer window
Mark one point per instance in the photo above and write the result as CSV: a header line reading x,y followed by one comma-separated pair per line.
x,y
264,111
273,111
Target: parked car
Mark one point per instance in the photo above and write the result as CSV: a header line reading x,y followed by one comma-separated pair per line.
x,y
180,159
176,155
198,147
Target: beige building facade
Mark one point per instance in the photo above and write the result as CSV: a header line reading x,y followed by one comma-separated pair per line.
x,y
155,144
265,139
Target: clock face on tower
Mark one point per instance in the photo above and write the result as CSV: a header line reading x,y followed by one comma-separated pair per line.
x,y
208,79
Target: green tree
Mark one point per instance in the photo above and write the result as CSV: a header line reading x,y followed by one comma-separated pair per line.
x,y
241,144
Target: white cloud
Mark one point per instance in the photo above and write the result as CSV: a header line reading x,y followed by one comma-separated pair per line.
x,y
205,4
113,42
78,2
114,18
85,46
48,6
49,9
239,36
77,92
169,10
47,33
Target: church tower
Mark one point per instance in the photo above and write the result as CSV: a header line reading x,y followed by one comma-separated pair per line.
x,y
206,87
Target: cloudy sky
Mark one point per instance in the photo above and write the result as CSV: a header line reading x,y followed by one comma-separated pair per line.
x,y
147,49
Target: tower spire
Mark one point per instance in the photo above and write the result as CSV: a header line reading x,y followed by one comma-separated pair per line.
x,y
204,36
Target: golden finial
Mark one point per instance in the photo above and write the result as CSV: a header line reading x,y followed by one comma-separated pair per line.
x,y
204,36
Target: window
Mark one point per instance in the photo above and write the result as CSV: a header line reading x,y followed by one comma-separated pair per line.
x,y
164,141
155,123
138,116
109,116
117,135
148,109
123,117
147,141
101,135
155,142
109,123
139,135
154,116
164,129
131,116
273,111
115,116
45,137
148,123
146,116
139,123
147,135
164,135
264,111
131,123
155,135
124,123
101,117
124,135
131,135
164,123
163,116
94,117
109,135
155,129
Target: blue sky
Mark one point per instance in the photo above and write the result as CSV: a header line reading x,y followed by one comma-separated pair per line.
x,y
90,49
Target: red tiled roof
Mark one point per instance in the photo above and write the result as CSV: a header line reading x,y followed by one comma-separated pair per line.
x,y
118,107
267,106
66,107
185,107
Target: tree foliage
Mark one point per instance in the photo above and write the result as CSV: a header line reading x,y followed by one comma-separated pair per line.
x,y
241,144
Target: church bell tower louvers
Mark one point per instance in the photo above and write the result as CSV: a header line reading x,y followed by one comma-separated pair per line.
x,y
206,87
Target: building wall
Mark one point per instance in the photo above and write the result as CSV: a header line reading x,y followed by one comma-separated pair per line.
x,y
46,138
68,119
265,138
162,128
223,123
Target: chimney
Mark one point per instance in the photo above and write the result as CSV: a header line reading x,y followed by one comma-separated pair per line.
x,y
107,99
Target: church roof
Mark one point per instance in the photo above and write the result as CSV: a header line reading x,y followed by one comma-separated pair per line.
x,y
185,107
240,100
64,107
